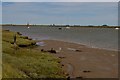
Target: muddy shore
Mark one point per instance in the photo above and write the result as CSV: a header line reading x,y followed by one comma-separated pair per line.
x,y
82,61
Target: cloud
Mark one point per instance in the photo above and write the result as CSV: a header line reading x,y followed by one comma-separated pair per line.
x,y
60,13
0,12
60,0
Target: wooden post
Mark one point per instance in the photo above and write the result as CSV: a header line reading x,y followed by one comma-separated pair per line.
x,y
15,45
14,39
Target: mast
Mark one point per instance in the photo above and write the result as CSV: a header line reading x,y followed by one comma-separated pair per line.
x,y
27,24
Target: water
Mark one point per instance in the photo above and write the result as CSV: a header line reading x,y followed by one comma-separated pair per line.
x,y
105,38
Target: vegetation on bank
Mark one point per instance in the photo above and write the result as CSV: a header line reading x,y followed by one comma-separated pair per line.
x,y
25,61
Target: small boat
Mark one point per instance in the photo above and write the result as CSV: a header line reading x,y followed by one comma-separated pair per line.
x,y
67,27
59,28
116,28
28,25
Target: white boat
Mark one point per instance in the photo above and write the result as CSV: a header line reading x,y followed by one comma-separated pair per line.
x,y
116,28
67,27
28,25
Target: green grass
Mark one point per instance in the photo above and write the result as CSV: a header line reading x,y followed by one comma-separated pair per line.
x,y
7,36
27,62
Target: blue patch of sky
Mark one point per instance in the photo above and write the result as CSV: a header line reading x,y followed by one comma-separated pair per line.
x,y
60,13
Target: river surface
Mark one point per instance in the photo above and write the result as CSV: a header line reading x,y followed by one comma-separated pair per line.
x,y
105,38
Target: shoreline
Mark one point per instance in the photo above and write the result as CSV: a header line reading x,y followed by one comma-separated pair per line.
x,y
78,44
88,44
77,26
82,61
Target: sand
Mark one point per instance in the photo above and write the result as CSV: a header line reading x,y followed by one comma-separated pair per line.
x,y
82,61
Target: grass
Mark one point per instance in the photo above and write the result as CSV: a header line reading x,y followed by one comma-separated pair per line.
x,y
27,62
7,36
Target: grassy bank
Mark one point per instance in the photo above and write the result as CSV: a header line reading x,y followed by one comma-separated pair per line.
x,y
24,61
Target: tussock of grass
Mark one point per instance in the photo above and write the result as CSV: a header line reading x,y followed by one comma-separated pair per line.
x,y
7,36
27,62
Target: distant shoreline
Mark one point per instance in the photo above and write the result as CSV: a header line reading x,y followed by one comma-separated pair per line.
x,y
89,26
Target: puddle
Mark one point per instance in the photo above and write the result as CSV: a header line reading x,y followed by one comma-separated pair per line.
x,y
40,43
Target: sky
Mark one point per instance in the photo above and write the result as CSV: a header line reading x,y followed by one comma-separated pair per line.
x,y
59,0
79,13
0,12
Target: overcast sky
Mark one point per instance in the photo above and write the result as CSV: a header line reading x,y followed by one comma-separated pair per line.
x,y
83,13
60,0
